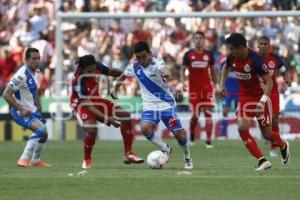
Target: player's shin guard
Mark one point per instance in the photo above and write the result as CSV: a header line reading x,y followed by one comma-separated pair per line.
x,y
193,125
127,134
250,143
208,125
88,144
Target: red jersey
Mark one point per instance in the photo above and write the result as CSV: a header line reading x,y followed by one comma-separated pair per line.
x,y
199,67
274,63
247,72
83,87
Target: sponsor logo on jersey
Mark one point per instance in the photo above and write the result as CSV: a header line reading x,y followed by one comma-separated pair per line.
x,y
205,57
243,76
199,64
193,57
30,81
138,72
271,64
247,68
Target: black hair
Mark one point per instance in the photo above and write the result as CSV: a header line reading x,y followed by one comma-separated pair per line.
x,y
29,51
86,60
264,37
199,33
141,46
236,40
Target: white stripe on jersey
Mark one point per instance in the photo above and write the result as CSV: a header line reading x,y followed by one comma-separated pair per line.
x,y
25,85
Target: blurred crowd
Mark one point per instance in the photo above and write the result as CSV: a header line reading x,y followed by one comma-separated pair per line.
x,y
31,23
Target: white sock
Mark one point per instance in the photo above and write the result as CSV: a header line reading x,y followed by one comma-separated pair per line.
x,y
157,141
29,148
37,152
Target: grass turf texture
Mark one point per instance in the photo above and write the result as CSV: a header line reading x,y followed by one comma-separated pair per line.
x,y
225,172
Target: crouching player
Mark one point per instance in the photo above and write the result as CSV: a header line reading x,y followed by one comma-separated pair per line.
x,y
22,95
158,102
89,108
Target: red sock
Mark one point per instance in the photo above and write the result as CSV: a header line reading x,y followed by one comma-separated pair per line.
x,y
250,143
88,144
208,126
127,134
193,125
276,140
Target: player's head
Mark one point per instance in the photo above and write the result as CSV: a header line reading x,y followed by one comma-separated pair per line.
x,y
87,64
199,39
237,44
32,58
263,44
142,53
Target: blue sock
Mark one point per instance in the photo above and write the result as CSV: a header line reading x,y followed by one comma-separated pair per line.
x,y
224,124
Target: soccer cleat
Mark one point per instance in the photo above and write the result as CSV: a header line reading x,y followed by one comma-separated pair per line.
x,y
209,145
131,157
23,163
263,164
188,164
192,143
273,153
285,153
168,151
40,164
86,164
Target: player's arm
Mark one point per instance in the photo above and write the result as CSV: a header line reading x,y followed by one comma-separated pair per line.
x,y
116,85
38,101
8,95
182,73
214,76
282,71
164,74
224,75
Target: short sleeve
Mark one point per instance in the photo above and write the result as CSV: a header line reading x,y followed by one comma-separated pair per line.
x,y
212,59
185,60
17,81
228,61
162,65
102,67
129,70
259,65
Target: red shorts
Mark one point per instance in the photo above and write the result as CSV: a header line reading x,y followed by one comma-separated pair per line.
x,y
83,114
246,109
275,103
199,99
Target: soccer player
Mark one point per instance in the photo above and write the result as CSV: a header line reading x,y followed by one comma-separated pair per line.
x,y
89,107
21,94
274,64
158,102
231,98
254,100
200,63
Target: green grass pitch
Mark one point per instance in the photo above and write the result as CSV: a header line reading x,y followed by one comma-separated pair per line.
x,y
224,172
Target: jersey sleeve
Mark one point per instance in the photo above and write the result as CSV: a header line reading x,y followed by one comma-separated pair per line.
x,y
162,65
259,65
228,61
281,64
79,89
17,81
129,70
102,68
212,59
185,60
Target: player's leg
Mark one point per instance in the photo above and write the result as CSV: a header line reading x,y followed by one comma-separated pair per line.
x,y
275,128
208,126
127,134
194,107
89,139
224,121
149,120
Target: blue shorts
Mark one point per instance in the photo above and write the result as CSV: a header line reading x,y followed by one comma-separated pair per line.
x,y
229,100
168,117
22,121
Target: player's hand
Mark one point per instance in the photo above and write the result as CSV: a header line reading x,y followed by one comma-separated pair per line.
x,y
113,121
25,113
259,110
114,94
221,92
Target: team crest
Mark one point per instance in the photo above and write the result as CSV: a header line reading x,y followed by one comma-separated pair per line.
x,y
205,57
247,68
271,64
83,116
193,57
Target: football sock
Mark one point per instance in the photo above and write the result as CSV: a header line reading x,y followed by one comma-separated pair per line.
x,y
250,143
28,150
224,124
127,134
88,144
193,125
276,140
208,125
185,147
157,141
37,152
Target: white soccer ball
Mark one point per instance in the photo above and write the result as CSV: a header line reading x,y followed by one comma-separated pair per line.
x,y
157,159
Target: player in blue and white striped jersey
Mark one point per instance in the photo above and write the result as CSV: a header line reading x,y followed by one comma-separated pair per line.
x,y
158,101
22,95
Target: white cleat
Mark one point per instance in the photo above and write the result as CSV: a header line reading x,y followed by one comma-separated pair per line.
x,y
263,165
188,163
86,164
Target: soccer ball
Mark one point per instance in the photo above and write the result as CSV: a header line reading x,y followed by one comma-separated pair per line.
x,y
157,159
